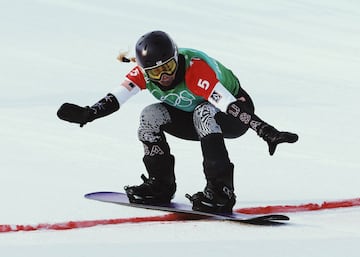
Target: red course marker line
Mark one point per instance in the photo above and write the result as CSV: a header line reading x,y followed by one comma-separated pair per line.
x,y
91,223
179,216
300,208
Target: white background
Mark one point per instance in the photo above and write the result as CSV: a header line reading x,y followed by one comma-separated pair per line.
x,y
300,62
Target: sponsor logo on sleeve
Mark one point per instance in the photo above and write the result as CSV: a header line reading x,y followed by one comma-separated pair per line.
x,y
216,96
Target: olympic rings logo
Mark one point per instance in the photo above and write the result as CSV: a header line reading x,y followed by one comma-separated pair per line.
x,y
183,99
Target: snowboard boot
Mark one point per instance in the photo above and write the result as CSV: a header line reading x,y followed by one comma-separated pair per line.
x,y
214,199
160,187
218,195
151,191
273,137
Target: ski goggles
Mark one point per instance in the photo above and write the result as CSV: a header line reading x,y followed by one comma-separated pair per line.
x,y
169,68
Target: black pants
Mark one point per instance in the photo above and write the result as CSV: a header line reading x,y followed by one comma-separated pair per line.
x,y
211,127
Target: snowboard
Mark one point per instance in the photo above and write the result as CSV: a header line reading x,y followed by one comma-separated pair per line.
x,y
122,199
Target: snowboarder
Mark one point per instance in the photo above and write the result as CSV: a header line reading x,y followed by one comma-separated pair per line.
x,y
200,99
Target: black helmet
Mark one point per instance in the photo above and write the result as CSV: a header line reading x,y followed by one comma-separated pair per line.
x,y
155,48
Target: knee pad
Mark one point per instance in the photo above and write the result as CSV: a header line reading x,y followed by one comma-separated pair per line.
x,y
151,119
204,120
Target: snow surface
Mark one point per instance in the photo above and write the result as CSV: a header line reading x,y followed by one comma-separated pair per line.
x,y
298,59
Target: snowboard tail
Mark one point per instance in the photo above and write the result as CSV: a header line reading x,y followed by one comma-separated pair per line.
x,y
122,199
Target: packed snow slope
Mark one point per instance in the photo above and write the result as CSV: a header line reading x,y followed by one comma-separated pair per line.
x,y
300,62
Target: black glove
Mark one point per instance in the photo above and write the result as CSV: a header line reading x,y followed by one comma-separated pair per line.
x,y
82,115
76,114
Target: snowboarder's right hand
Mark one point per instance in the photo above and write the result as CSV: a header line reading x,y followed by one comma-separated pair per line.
x,y
82,115
75,114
